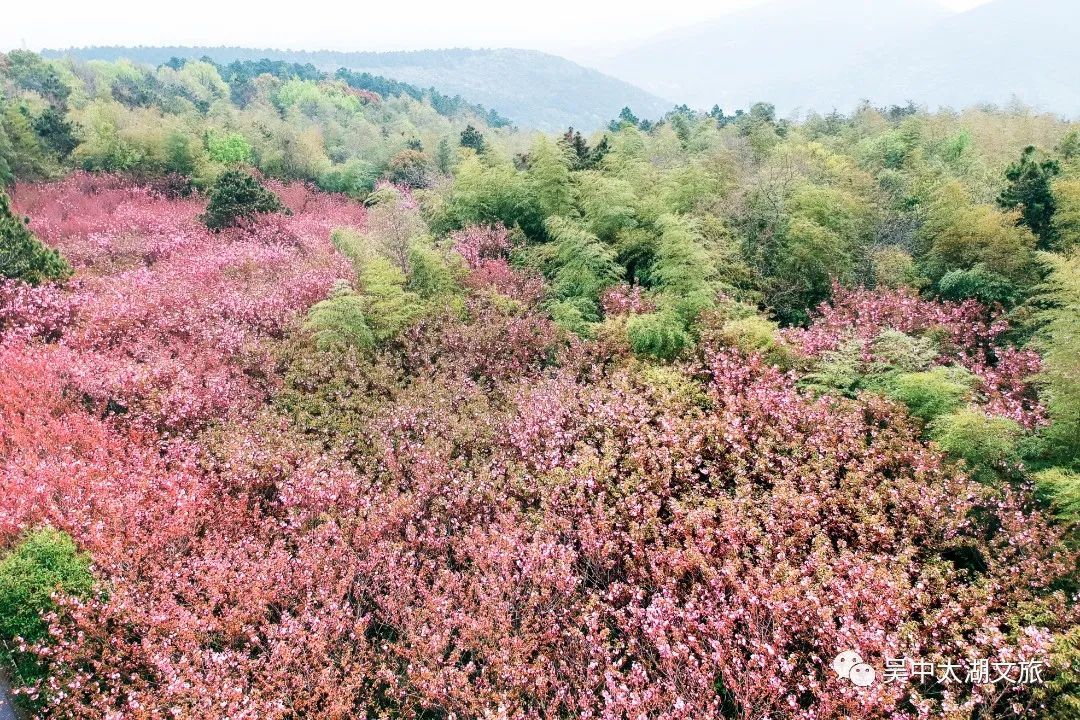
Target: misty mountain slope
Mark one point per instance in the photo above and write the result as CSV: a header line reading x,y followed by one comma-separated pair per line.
x,y
533,89
1008,48
778,51
801,54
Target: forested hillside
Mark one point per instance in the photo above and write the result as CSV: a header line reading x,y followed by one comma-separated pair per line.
x,y
534,89
189,120
318,402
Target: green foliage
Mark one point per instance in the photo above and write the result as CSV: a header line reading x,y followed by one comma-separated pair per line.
x,y
548,179
340,322
801,237
1059,488
430,273
229,149
894,351
409,168
180,156
987,445
56,131
1029,190
959,235
929,395
583,266
486,194
237,196
756,335
25,153
681,266
576,315
45,561
894,268
23,256
352,245
846,371
1060,341
626,119
472,138
389,308
387,302
659,335
1067,217
978,283
1061,693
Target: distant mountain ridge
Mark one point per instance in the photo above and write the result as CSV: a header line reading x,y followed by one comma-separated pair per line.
x,y
532,88
801,54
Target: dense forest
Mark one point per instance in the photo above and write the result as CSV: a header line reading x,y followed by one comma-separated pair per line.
x,y
324,397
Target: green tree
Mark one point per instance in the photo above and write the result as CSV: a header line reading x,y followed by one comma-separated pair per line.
x,y
626,118
179,157
548,178
56,131
23,256
1060,341
582,266
410,168
1069,147
659,335
1029,190
237,196
979,283
472,138
230,149
1067,217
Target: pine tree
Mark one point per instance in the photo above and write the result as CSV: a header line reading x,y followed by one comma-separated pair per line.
x,y
472,138
1029,189
23,256
237,196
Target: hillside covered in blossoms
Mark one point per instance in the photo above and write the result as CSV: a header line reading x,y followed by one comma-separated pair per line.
x,y
321,398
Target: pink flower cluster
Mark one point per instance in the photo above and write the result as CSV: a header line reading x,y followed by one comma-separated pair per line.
x,y
479,243
968,334
486,250
164,320
623,299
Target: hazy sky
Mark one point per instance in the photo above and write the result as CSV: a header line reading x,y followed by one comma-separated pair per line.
x,y
574,27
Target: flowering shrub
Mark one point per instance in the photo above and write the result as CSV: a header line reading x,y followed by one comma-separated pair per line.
x,y
966,334
481,518
623,299
477,244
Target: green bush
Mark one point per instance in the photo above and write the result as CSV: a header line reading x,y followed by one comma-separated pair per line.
x,y
894,351
657,335
980,284
1061,692
340,322
231,149
931,394
388,306
23,256
837,371
237,196
44,562
756,335
987,445
576,315
1060,489
430,273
